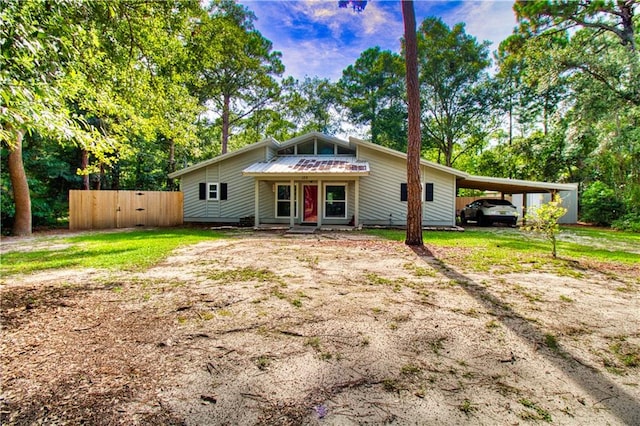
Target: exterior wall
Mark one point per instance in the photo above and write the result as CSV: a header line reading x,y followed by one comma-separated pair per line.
x,y
442,210
240,199
380,192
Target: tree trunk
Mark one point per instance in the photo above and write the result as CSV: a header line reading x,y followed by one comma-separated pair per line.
x,y
414,190
20,187
225,122
84,163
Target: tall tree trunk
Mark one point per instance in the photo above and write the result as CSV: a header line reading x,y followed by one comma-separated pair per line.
x,y
414,190
20,187
225,122
84,163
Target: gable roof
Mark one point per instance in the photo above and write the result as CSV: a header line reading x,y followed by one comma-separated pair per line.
x,y
402,155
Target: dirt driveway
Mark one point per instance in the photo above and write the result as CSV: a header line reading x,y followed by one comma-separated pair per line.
x,y
322,329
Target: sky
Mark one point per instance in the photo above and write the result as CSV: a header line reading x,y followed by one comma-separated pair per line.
x,y
317,38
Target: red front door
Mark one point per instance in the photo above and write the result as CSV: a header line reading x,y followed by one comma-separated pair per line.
x,y
310,203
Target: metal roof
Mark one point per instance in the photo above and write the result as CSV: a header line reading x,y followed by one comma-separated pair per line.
x,y
288,165
512,186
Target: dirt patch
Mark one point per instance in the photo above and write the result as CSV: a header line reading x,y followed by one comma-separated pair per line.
x,y
332,328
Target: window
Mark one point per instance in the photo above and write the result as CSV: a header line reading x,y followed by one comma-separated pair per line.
x,y
283,200
335,201
213,191
325,148
307,148
286,151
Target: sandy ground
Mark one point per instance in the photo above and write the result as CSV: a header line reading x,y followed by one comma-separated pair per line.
x,y
332,329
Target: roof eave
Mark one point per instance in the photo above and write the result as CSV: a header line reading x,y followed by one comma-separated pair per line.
x,y
222,157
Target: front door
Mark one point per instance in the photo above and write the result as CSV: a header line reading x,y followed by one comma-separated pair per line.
x,y
310,203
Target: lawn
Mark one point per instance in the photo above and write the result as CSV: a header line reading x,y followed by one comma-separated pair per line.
x,y
195,327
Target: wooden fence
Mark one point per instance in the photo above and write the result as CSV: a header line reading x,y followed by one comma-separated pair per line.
x,y
124,209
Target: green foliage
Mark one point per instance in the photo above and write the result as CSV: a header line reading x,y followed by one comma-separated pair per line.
x,y
600,204
373,91
628,222
452,67
544,220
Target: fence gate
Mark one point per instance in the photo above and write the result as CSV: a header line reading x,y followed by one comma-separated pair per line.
x,y
124,209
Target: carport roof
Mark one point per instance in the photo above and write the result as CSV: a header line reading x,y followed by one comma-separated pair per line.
x,y
512,186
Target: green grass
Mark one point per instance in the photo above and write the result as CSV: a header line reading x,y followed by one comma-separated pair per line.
x,y
132,250
499,246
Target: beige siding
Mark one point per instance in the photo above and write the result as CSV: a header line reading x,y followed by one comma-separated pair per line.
x,y
240,200
440,211
380,192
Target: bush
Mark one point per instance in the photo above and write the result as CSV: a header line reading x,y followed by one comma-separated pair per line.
x,y
629,222
601,205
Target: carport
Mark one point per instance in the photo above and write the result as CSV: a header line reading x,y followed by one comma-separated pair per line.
x,y
527,193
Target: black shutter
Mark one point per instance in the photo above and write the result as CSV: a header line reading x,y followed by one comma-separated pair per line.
x,y
223,191
403,192
429,192
203,191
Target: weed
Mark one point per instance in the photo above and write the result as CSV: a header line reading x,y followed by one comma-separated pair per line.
x,y
538,413
182,319
277,293
325,356
410,370
436,345
566,298
297,303
391,385
627,353
492,324
224,313
263,362
206,315
314,342
393,325
365,341
376,310
467,406
551,342
244,275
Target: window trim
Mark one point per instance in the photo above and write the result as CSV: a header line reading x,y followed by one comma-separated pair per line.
x,y
217,190
324,200
295,201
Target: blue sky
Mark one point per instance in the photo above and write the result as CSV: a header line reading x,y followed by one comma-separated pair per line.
x,y
317,38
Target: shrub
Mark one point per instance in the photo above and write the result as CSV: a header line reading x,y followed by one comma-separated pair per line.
x,y
629,222
600,204
544,220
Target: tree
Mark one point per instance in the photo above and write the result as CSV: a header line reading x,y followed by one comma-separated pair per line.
x,y
35,45
452,73
414,189
236,64
311,105
372,91
544,220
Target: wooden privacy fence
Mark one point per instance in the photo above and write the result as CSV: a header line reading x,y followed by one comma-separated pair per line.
x,y
124,209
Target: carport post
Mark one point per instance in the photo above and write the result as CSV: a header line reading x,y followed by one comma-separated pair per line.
x,y
524,209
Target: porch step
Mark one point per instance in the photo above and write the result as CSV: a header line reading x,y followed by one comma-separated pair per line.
x,y
302,230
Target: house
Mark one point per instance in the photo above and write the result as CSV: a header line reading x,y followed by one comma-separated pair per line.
x,y
318,180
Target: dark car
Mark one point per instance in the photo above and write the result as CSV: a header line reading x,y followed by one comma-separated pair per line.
x,y
487,211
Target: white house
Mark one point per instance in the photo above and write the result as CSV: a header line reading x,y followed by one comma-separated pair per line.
x,y
318,180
